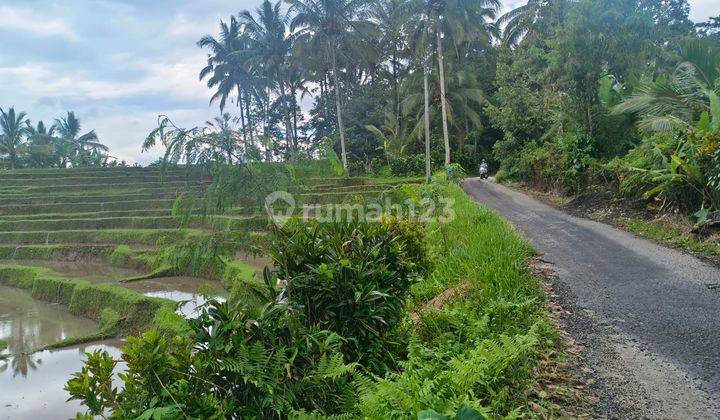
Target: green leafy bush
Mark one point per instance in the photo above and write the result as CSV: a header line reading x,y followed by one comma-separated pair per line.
x,y
561,164
413,165
352,279
454,173
231,365
679,169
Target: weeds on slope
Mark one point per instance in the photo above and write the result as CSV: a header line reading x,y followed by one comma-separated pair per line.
x,y
479,324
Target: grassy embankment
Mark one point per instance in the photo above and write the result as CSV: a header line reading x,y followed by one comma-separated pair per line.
x,y
673,232
480,325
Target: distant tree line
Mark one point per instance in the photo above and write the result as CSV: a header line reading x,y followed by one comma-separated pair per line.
x,y
373,69
556,93
61,145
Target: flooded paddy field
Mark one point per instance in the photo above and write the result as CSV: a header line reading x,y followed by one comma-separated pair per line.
x,y
31,384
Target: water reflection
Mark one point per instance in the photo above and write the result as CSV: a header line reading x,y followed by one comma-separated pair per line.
x,y
181,289
31,386
39,393
27,324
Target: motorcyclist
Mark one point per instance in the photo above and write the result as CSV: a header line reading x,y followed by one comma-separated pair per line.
x,y
483,169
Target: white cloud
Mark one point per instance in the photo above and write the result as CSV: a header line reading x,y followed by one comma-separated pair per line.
x,y
29,21
701,10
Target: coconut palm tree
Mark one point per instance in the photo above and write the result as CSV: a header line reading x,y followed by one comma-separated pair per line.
x,y
229,69
463,90
335,27
458,21
271,46
419,42
81,146
523,20
393,17
14,132
42,145
222,136
681,99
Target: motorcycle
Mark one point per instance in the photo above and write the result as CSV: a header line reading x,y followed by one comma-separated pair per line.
x,y
484,172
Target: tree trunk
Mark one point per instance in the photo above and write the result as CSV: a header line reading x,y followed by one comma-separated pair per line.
x,y
13,157
240,103
441,64
338,106
266,128
251,128
288,128
293,92
396,90
427,123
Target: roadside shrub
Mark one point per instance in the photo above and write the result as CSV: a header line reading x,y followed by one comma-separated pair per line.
x,y
454,173
679,169
413,165
558,165
264,365
352,279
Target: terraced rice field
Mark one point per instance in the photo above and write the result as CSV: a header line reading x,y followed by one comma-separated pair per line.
x,y
76,247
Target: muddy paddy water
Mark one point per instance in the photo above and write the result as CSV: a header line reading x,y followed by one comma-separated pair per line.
x,y
31,385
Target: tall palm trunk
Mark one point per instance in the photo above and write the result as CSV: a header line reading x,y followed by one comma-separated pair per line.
x,y
288,127
396,88
240,104
441,64
338,106
251,127
293,92
13,157
427,122
266,123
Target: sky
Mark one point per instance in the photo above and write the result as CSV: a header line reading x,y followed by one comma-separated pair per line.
x,y
120,64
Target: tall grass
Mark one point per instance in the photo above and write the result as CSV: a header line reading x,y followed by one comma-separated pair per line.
x,y
480,323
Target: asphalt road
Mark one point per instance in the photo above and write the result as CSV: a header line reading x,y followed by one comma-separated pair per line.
x,y
647,316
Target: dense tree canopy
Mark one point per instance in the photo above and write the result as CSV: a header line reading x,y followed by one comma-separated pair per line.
x,y
549,75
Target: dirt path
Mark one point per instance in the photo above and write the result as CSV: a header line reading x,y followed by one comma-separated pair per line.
x,y
647,317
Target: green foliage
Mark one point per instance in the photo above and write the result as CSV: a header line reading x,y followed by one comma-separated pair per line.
x,y
269,366
202,255
413,165
94,383
561,164
477,347
454,173
58,146
463,413
674,234
352,279
677,168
